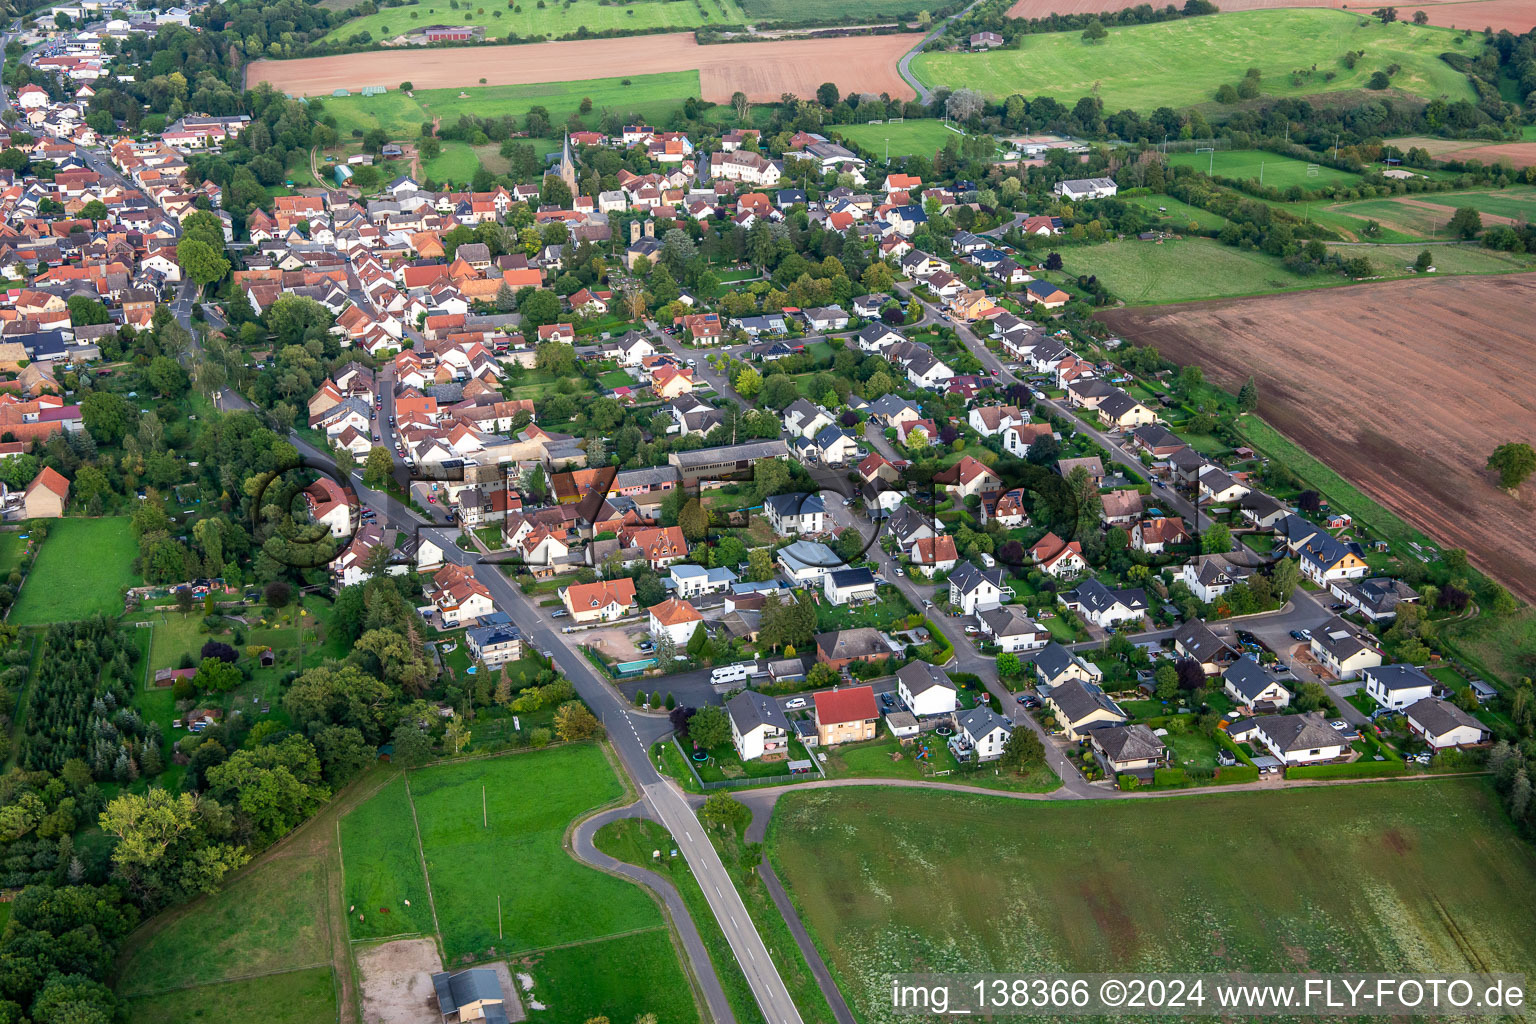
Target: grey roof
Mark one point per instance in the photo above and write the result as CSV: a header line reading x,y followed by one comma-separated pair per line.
x,y
890,405
981,720
1324,549
1399,677
906,522
647,476
920,677
1008,620
1196,638
748,451
1248,678
862,642
1078,699
1128,742
1117,403
968,577
799,503
1155,435
1096,597
1295,529
750,709
809,554
1306,731
1341,639
1438,717
1380,595
490,636
464,987
1052,660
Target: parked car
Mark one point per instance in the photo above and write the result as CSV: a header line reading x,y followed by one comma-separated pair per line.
x,y
645,647
971,631
1296,634
559,613
794,704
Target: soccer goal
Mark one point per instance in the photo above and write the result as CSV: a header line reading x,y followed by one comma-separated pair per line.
x,y
1313,170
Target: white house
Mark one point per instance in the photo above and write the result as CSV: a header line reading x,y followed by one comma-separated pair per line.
x,y
849,586
1343,648
1012,630
805,562
1397,686
674,619
1129,748
974,590
1251,686
759,729
689,581
1105,607
981,734
1078,189
926,689
1300,739
800,512
1443,725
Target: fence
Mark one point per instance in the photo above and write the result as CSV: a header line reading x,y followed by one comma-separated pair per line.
x,y
764,780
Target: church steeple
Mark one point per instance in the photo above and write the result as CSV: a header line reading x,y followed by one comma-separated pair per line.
x,y
568,165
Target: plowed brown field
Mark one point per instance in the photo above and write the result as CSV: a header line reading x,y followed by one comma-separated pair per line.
x,y
764,71
1403,388
1516,15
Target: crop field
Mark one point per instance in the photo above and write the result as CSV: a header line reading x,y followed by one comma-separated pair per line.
x,y
910,138
527,20
382,868
764,71
1421,458
1271,168
651,96
1155,885
80,571
1183,62
529,800
853,12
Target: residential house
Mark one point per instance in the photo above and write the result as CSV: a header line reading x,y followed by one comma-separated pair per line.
x,y
1012,630
980,735
1057,557
1152,536
1397,686
691,581
1120,508
1081,707
1325,559
677,620
974,590
1129,749
1375,599
759,728
458,596
843,647
796,513
1251,685
494,645
1208,577
48,493
1079,189
1343,648
601,601
1443,725
1045,294
932,555
849,586
926,689
967,478
1055,665
1104,607
1306,738
805,562
1195,641
846,715
991,420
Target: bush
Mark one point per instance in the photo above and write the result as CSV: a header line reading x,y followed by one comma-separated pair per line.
x,y
1170,777
1236,773
1351,770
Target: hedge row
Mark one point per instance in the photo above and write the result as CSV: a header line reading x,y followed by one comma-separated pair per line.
x,y
1233,774
1351,770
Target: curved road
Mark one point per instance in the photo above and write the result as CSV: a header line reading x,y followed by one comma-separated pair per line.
x,y
904,65
703,971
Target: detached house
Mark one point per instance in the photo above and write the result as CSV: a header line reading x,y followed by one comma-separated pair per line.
x,y
1055,665
1397,686
1012,630
1132,749
1443,725
1251,686
926,689
1343,649
1104,607
677,620
974,590
800,512
1081,707
1057,557
980,735
458,596
601,601
931,555
1299,739
846,715
759,729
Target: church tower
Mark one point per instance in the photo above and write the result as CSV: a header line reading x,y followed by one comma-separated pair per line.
x,y
568,166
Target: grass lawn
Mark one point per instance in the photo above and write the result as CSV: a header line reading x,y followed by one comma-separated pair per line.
x,y
876,759
382,867
1392,261
852,11
882,614
618,979
80,571
1178,213
549,899
456,163
1270,169
1504,646
271,919
966,883
294,997
12,547
633,840
922,137
615,379
174,635
1178,63
649,96
527,19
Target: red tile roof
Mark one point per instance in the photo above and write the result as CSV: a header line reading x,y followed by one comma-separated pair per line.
x,y
855,704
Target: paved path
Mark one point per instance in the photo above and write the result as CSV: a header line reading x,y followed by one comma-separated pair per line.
x,y
904,65
703,971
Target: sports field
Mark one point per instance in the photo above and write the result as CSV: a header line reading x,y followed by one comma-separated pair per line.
x,y
1179,63
910,138
650,97
527,19
1270,169
79,572
1411,876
